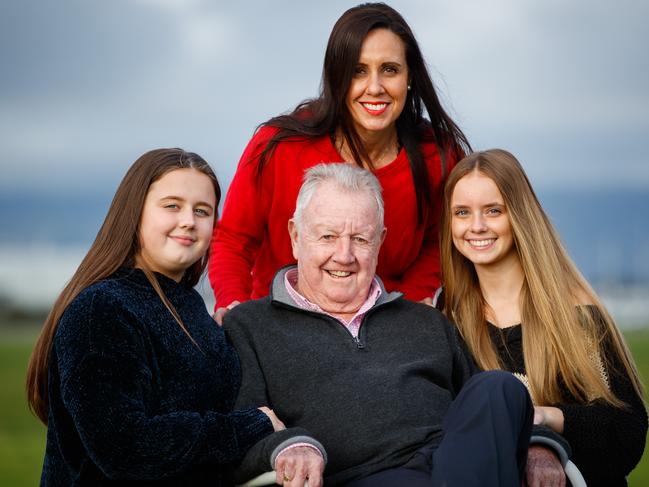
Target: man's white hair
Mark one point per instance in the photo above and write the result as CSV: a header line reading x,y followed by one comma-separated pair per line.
x,y
346,177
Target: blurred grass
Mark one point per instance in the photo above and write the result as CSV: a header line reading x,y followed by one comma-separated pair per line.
x,y
22,436
638,342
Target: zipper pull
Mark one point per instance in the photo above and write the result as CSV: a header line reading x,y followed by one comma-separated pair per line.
x,y
358,343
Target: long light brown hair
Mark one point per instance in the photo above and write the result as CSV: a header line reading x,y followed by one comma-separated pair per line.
x,y
559,338
116,245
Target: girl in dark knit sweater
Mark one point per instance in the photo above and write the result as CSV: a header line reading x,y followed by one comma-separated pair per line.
x,y
521,305
131,375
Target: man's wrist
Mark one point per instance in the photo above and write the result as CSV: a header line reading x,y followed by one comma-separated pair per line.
x,y
295,442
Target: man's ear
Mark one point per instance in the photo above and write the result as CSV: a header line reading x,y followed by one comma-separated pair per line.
x,y
292,231
383,234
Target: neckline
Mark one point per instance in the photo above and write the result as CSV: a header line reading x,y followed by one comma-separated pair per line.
x,y
510,327
137,277
376,171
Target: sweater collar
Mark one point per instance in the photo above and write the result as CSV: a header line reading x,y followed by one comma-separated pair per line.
x,y
278,292
137,277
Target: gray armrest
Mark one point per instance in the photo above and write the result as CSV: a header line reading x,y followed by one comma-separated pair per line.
x,y
265,479
574,475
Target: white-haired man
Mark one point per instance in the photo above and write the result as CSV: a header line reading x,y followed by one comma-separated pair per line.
x,y
380,383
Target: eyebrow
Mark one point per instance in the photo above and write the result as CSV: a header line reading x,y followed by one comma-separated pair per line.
x,y
178,198
385,63
483,206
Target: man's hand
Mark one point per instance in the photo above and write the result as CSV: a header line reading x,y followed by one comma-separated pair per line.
x,y
220,312
543,468
298,464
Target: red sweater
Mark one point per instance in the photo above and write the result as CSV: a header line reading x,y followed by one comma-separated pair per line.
x,y
251,241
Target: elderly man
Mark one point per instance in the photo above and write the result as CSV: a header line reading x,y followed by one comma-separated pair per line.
x,y
379,383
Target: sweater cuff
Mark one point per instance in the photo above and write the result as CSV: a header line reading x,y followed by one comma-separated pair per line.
x,y
574,419
250,425
296,439
542,435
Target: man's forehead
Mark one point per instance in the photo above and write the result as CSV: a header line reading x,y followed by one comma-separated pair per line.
x,y
340,210
331,196
341,225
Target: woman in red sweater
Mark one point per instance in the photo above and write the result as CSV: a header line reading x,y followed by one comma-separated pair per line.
x,y
371,111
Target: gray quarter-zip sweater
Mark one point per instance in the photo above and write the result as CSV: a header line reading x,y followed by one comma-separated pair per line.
x,y
372,402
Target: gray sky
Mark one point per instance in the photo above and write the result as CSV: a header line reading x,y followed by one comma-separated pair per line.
x,y
86,86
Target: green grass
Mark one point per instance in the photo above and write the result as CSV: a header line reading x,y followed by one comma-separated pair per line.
x,y
22,436
638,341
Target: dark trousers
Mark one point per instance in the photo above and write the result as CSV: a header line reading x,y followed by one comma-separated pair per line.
x,y
486,435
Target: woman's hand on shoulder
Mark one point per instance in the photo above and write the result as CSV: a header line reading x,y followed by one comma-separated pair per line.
x,y
220,312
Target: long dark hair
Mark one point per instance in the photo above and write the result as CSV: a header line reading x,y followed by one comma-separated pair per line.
x,y
323,115
115,246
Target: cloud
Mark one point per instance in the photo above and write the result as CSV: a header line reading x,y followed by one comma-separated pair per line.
x,y
91,83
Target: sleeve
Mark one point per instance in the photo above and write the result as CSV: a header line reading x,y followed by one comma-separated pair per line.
x,y
607,440
106,387
260,458
423,277
240,231
463,365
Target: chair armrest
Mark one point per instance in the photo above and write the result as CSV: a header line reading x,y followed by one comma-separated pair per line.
x,y
265,479
574,475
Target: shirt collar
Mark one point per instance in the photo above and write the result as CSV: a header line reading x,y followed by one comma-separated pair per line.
x,y
290,281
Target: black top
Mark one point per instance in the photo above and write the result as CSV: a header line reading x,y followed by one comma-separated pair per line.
x,y
607,442
133,400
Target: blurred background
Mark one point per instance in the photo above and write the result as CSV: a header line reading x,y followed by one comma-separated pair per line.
x,y
87,86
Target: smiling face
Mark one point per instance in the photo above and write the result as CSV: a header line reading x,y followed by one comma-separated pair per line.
x,y
336,248
176,223
479,222
379,88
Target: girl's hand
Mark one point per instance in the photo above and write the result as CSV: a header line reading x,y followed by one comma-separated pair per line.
x,y
549,416
277,424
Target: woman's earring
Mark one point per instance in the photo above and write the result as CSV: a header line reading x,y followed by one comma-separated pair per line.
x,y
409,86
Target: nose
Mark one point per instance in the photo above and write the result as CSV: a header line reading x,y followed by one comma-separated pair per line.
x,y
344,253
478,223
187,218
374,84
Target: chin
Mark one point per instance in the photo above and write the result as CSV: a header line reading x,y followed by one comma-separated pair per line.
x,y
341,299
376,127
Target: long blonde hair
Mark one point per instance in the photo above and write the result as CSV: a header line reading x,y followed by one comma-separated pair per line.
x,y
560,339
116,245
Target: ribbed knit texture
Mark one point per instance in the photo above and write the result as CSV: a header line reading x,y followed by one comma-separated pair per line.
x,y
134,401
606,442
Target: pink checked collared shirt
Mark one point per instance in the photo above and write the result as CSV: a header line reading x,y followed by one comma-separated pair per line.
x,y
290,280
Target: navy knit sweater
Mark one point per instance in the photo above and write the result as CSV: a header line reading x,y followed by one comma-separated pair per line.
x,y
134,401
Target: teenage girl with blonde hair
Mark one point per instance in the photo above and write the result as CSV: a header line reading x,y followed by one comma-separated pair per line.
x,y
521,305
